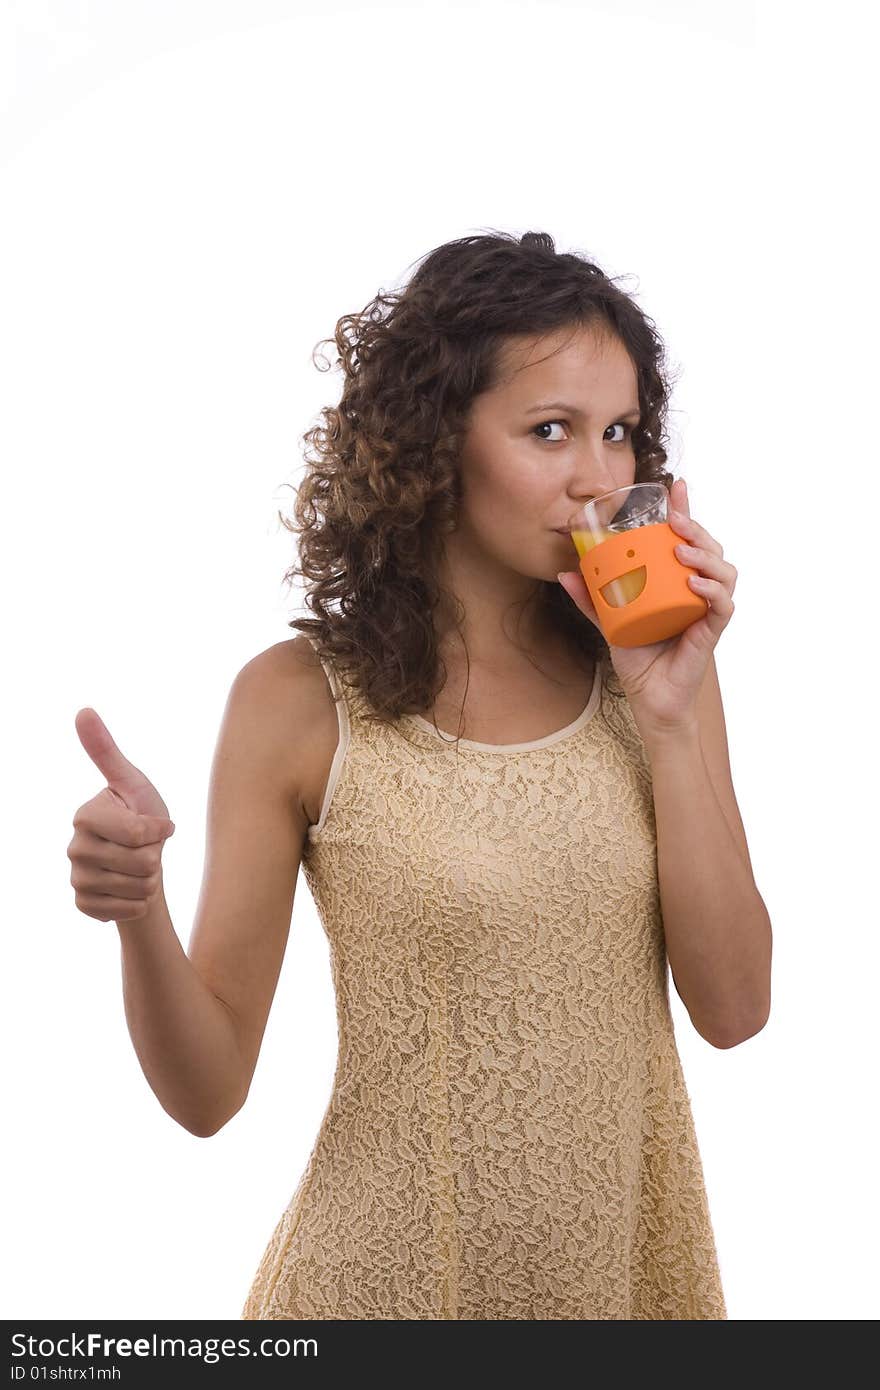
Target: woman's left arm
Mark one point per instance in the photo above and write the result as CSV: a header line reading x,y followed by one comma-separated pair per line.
x,y
718,932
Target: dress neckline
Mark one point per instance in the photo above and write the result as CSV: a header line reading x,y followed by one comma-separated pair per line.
x,y
583,718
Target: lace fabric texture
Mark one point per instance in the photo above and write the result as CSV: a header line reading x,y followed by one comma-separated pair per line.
x,y
509,1134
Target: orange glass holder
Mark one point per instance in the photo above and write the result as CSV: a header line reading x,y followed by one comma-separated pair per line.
x,y
665,604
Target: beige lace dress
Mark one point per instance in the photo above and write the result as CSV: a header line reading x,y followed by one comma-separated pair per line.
x,y
509,1134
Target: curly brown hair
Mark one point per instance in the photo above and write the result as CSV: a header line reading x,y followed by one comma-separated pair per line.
x,y
382,486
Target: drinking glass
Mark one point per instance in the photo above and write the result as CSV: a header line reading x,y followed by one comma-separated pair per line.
x,y
626,551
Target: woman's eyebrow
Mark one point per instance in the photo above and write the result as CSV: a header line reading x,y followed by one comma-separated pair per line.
x,y
633,411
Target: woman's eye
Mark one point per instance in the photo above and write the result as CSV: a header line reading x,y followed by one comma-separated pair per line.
x,y
545,425
627,431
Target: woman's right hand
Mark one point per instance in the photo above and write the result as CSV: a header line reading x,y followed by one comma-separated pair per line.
x,y
116,850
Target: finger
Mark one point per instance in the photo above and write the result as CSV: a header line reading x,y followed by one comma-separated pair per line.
x,y
694,533
108,818
139,862
699,558
114,885
678,497
718,595
105,883
708,563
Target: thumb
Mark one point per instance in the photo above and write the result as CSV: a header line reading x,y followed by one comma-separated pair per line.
x,y
126,784
98,742
575,586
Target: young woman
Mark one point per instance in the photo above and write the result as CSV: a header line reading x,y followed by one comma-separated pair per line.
x,y
509,832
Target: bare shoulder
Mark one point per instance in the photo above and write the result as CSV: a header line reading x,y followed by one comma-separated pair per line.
x,y
291,687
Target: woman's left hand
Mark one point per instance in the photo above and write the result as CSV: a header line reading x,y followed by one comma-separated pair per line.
x,y
662,680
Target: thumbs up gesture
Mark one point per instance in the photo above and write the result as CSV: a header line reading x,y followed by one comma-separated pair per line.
x,y
116,850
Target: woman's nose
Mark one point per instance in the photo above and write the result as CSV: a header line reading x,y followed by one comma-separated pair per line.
x,y
592,478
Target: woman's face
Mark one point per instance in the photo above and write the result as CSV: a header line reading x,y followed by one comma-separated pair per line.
x,y
527,464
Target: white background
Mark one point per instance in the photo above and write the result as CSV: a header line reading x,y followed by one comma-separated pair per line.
x,y
191,195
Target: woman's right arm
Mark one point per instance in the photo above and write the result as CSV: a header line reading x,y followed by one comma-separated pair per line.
x,y
182,1033
197,1018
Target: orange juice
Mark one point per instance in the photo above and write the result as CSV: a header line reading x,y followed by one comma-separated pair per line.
x,y
620,591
